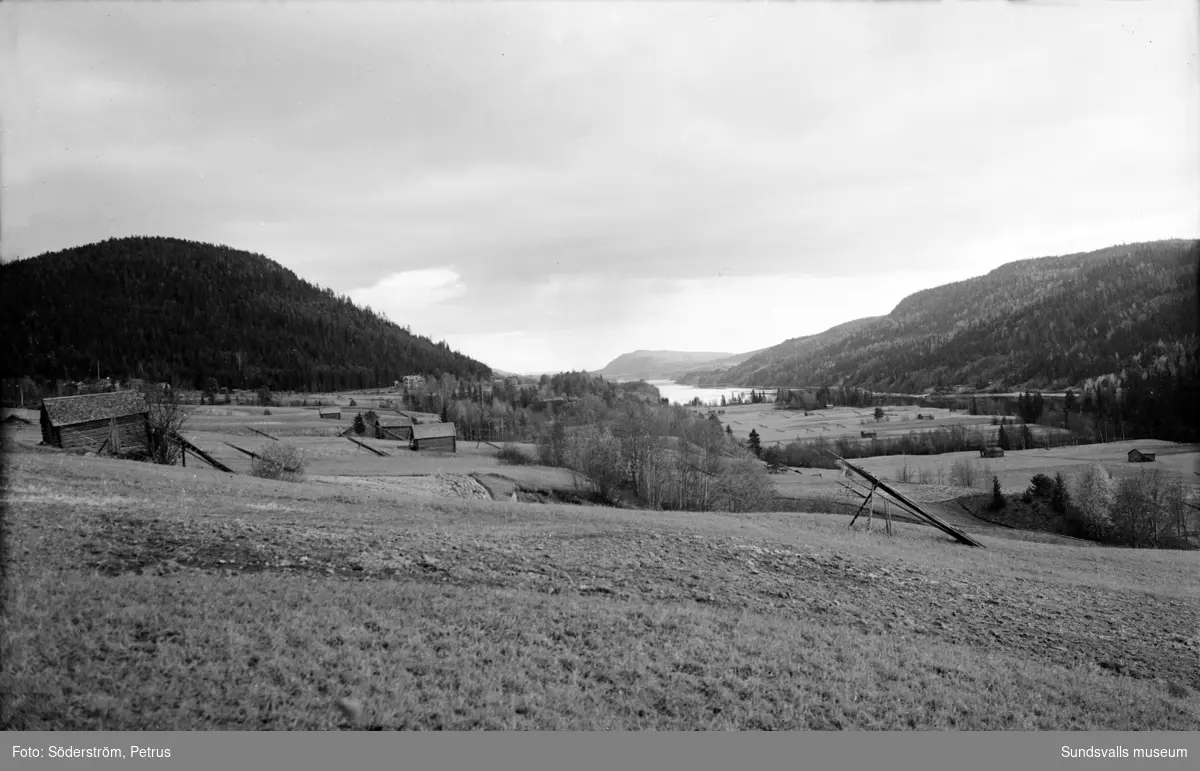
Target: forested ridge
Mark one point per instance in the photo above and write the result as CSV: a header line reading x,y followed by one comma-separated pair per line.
x,y
185,311
1039,323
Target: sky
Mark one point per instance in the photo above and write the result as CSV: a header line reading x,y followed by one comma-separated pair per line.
x,y
546,186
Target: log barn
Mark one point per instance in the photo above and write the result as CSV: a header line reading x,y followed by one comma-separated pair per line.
x,y
434,436
394,427
1137,456
991,452
330,413
107,422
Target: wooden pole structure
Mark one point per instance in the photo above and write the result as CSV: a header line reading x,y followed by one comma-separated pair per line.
x,y
201,453
380,453
263,433
866,500
239,449
907,503
887,514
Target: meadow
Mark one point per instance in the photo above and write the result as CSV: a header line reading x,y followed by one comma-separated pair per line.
x,y
784,426
151,597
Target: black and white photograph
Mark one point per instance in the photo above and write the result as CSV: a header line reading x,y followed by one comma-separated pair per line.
x,y
600,366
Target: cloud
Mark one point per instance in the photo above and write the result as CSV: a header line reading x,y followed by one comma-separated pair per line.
x,y
582,167
401,295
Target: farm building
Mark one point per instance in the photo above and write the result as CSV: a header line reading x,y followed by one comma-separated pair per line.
x,y
1137,456
393,427
419,417
991,452
330,413
867,434
434,436
106,422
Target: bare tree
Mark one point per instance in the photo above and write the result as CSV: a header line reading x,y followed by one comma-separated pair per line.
x,y
166,418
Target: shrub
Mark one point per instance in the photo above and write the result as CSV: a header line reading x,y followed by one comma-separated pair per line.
x,y
963,473
266,412
353,403
904,473
281,461
1041,486
511,455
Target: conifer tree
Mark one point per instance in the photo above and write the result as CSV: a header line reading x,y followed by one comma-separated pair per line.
x,y
753,443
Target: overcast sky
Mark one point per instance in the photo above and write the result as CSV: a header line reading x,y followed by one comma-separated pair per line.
x,y
548,185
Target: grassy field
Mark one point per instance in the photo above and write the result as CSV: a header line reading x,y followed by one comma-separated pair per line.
x,y
1176,461
784,426
144,597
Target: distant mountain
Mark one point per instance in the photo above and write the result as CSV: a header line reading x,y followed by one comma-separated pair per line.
x,y
665,365
1038,323
721,372
169,309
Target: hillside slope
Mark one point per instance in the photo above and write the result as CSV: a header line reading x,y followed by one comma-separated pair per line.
x,y
661,365
1039,323
721,372
165,308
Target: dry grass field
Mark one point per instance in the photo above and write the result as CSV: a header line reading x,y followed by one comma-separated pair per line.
x,y
148,597
1176,461
784,426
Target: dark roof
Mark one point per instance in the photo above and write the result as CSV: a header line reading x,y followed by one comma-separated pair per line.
x,y
69,410
433,430
325,410
420,417
393,421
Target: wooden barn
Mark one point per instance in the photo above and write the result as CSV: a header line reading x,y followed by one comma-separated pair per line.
x,y
992,452
106,422
1137,456
419,417
867,434
434,436
393,427
330,413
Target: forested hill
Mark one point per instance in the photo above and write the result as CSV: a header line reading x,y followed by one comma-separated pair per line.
x,y
169,309
1037,323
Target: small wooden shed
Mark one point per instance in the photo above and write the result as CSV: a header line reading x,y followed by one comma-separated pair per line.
x,y
394,427
105,422
992,452
434,436
867,434
1137,456
330,413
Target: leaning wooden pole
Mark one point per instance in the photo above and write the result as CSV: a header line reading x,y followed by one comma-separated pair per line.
x,y
907,502
239,449
863,505
380,453
201,454
263,433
